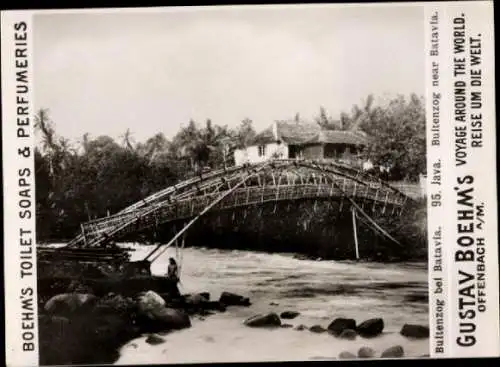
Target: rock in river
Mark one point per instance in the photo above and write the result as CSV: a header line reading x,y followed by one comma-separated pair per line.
x,y
232,299
346,355
196,300
396,351
348,334
300,327
170,318
370,328
270,319
415,331
317,329
340,324
289,314
366,352
154,339
68,303
150,300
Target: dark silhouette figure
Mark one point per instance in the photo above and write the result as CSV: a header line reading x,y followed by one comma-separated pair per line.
x,y
173,270
173,277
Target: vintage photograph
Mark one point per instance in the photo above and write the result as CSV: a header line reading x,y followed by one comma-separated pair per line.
x,y
231,184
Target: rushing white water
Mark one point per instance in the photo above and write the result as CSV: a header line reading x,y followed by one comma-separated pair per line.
x,y
319,290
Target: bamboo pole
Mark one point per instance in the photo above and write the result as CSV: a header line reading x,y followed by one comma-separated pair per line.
x,y
385,201
83,234
176,244
374,224
375,200
183,242
355,232
204,211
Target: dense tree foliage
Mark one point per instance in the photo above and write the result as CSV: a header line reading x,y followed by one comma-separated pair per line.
x,y
396,134
99,176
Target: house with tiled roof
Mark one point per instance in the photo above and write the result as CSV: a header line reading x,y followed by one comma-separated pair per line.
x,y
301,140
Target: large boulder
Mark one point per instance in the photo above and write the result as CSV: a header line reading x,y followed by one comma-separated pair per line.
x,y
415,331
340,324
289,314
154,339
396,351
149,301
232,299
69,303
268,320
169,318
370,328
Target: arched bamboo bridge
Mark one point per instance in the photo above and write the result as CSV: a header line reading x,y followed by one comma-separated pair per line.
x,y
242,186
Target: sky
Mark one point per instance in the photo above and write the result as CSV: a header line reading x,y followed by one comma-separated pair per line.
x,y
105,72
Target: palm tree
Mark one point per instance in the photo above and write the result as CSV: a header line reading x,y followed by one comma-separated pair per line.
x,y
154,146
245,133
127,140
360,115
49,146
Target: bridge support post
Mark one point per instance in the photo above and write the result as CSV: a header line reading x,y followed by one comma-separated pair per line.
x,y
174,230
355,232
84,235
180,257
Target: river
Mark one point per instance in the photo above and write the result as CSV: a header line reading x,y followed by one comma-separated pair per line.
x,y
319,290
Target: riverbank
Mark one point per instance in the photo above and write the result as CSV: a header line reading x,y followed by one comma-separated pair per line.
x,y
83,326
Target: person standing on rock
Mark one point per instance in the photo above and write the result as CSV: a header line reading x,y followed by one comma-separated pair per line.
x,y
173,276
173,270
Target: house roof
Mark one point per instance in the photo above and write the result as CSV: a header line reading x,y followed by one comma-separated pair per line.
x,y
342,137
265,137
299,133
293,132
